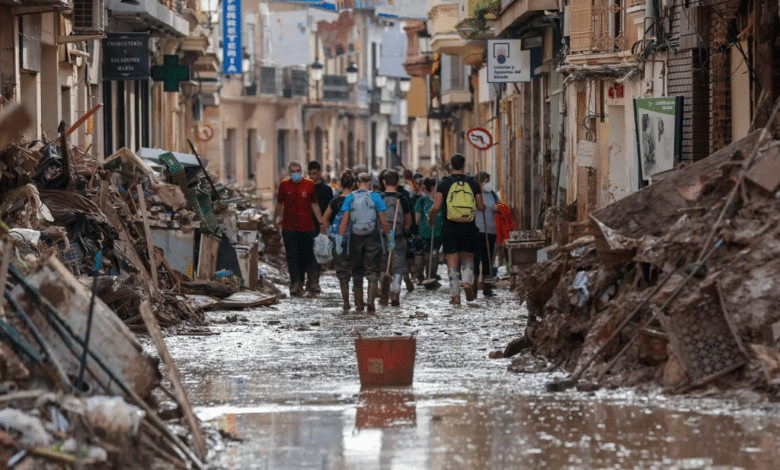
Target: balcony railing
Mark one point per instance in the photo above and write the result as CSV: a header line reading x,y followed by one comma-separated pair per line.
x,y
335,88
268,81
299,82
598,25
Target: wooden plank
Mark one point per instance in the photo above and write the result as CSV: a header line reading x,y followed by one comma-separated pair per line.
x,y
148,234
586,192
207,256
254,258
181,394
125,243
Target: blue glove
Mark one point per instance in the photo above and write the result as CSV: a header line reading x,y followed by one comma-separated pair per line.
x,y
339,244
391,241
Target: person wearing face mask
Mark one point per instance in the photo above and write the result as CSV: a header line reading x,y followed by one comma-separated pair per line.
x,y
297,200
485,249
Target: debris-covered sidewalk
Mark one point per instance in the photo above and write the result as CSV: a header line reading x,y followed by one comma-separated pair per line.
x,y
91,253
675,283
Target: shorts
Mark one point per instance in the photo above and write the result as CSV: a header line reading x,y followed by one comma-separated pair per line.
x,y
459,237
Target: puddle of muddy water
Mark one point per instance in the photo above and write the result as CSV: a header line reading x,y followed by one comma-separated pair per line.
x,y
287,384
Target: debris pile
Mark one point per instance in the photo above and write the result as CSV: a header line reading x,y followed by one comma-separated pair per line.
x,y
676,283
153,226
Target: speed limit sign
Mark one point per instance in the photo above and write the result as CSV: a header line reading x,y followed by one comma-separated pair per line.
x,y
480,138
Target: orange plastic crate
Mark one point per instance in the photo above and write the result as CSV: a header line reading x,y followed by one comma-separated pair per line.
x,y
386,360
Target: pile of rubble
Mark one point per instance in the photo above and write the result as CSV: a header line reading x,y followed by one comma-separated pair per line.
x,y
675,283
91,252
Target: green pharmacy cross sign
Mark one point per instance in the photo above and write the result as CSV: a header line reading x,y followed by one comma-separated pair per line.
x,y
171,73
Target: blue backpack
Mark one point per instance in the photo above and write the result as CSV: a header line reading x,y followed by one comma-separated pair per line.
x,y
333,231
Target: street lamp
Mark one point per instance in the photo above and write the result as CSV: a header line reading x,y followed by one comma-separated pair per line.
x,y
406,84
380,81
317,70
352,73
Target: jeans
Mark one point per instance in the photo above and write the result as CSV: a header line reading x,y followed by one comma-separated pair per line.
x,y
482,263
300,251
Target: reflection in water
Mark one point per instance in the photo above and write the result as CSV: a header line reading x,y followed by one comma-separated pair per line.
x,y
388,429
384,408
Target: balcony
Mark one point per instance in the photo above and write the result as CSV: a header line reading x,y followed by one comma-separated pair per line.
x,y
270,81
335,88
152,15
518,12
296,83
598,26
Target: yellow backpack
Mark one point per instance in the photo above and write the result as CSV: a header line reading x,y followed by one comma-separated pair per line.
x,y
461,203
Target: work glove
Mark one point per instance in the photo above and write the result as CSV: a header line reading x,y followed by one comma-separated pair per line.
x,y
339,244
391,241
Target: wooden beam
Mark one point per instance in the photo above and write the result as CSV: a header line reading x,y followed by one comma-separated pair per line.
x,y
181,394
148,234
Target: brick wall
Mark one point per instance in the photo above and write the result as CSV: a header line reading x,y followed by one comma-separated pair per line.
x,y
687,77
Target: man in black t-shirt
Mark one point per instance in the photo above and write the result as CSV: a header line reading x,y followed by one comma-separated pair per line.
x,y
458,196
324,195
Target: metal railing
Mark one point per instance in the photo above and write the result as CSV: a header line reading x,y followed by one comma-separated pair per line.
x,y
598,25
335,88
268,81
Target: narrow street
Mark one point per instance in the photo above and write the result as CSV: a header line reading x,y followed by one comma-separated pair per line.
x,y
286,383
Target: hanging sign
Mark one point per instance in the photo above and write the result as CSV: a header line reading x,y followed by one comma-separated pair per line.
x,y
232,53
507,62
126,56
480,138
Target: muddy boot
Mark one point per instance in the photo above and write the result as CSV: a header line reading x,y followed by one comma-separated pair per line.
x,y
313,286
409,283
345,299
488,290
296,290
358,299
395,299
419,261
384,291
372,288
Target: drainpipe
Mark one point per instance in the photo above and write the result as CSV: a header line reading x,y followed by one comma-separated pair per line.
x,y
369,82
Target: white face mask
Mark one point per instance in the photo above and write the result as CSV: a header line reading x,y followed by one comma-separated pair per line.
x,y
487,187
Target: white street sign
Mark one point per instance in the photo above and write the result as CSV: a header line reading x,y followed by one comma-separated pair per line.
x,y
507,62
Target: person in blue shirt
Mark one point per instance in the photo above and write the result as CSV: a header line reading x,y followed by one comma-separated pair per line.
x,y
362,210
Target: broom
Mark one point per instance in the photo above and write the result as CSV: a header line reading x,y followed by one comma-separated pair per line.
x,y
431,283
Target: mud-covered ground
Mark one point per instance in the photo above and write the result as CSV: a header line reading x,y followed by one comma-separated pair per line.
x,y
286,383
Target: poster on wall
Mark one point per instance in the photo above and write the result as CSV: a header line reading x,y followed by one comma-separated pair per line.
x,y
339,37
658,133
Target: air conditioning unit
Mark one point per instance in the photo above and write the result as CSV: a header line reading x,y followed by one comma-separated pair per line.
x,y
88,16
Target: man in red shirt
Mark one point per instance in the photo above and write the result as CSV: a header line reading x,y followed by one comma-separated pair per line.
x,y
298,200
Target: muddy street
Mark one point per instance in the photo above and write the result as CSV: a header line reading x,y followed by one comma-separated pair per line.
x,y
285,382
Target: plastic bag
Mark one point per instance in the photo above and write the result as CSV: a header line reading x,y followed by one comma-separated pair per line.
x,y
322,249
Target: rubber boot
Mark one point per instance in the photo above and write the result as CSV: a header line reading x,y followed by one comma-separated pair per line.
x,y
395,299
296,290
468,280
419,261
372,288
488,290
314,282
454,286
345,296
409,283
358,299
384,291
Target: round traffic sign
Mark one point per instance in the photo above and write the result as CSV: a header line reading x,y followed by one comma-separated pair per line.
x,y
480,138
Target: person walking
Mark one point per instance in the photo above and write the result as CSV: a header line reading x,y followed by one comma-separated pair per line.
x,y
362,210
485,249
459,197
425,232
297,202
329,218
399,216
324,196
